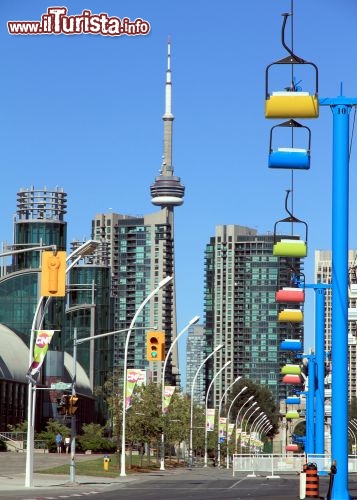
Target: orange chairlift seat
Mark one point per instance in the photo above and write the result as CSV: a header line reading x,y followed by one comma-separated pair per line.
x,y
289,157
294,246
290,295
292,379
292,447
291,103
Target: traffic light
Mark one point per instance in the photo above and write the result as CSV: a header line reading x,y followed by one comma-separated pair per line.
x,y
63,404
155,346
73,404
53,274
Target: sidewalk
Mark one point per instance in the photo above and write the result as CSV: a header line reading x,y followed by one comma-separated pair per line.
x,y
13,469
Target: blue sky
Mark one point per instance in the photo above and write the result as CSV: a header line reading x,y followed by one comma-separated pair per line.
x,y
84,112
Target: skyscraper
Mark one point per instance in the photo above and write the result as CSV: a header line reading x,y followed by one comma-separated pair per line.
x,y
141,253
195,354
323,274
241,278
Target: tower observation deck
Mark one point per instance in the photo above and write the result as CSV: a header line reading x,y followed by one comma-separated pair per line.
x,y
167,190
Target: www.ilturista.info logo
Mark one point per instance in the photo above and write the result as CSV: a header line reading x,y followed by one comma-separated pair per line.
x,y
56,22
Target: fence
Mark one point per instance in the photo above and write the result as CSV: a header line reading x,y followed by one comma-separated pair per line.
x,y
288,463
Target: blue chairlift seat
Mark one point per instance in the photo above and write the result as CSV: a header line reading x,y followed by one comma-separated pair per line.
x,y
290,158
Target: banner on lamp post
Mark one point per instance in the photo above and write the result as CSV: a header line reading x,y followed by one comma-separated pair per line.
x,y
222,429
230,430
210,419
169,390
133,377
43,340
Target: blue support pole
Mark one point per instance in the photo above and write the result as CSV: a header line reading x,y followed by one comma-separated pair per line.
x,y
320,369
341,107
310,406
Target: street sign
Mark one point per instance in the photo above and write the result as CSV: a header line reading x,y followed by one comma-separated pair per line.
x,y
60,386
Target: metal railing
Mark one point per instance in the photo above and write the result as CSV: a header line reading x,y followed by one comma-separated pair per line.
x,y
288,463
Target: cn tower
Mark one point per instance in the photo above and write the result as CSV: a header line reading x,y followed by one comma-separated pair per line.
x,y
167,190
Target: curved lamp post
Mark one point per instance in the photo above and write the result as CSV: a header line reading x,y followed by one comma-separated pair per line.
x,y
257,418
255,424
193,321
246,424
237,418
244,415
86,248
206,404
219,418
218,348
255,427
162,283
228,414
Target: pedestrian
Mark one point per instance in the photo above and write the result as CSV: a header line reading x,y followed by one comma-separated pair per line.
x,y
59,442
67,442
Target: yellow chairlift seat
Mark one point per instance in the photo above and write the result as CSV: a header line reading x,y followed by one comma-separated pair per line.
x,y
291,315
290,370
291,102
287,104
290,295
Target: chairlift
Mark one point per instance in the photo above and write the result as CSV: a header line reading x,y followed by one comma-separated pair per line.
x,y
290,295
291,102
290,247
292,414
289,157
293,345
291,315
292,379
292,447
290,369
293,400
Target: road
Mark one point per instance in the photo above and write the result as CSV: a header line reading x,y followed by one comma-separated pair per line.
x,y
176,484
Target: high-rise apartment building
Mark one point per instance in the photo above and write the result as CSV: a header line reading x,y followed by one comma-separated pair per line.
x,y
40,222
241,278
195,354
323,274
140,251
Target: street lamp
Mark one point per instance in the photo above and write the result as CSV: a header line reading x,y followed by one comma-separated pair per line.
x,y
229,411
244,414
219,418
85,249
193,321
237,418
246,424
219,347
162,283
261,415
206,404
255,426
76,342
352,434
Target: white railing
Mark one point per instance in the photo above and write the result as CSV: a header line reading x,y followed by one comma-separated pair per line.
x,y
289,463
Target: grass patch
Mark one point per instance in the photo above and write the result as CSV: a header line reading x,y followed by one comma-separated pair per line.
x,y
95,467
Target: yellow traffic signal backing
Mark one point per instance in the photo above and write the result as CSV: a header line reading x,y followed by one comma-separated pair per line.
x,y
53,274
155,346
73,404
